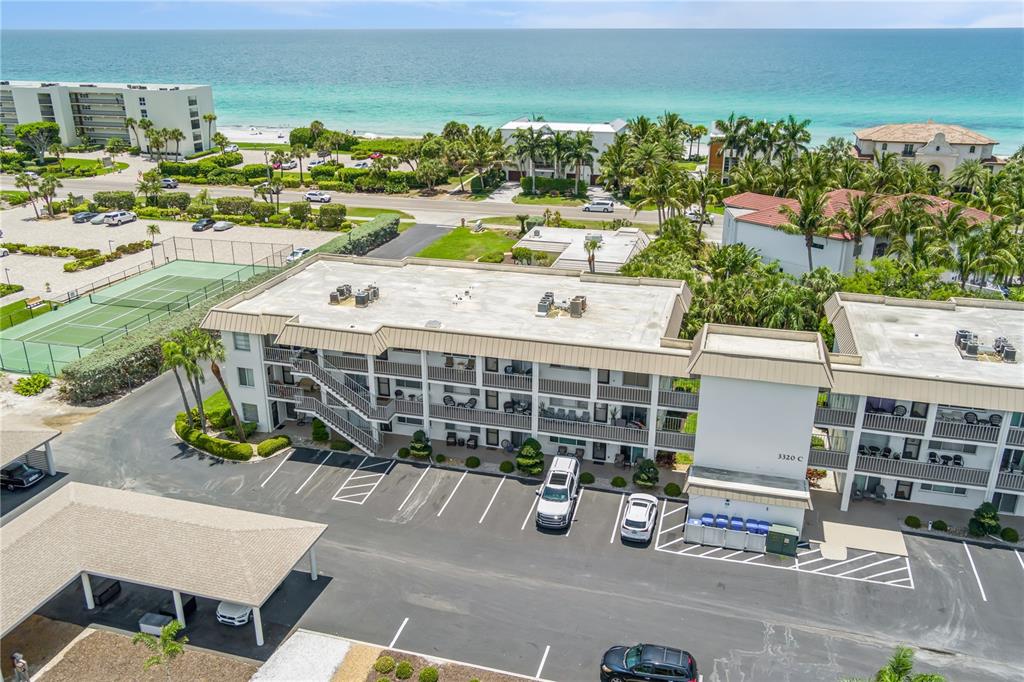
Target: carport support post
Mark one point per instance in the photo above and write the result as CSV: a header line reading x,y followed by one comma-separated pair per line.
x,y
50,469
312,563
257,622
87,588
178,609
851,462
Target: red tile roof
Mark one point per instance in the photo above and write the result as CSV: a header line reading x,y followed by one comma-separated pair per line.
x,y
767,209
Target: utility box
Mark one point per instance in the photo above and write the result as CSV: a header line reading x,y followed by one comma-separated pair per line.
x,y
782,540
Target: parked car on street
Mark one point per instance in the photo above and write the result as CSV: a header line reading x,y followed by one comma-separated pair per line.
x,y
119,218
313,163
202,224
99,219
20,475
168,183
318,196
32,174
322,153
296,254
83,216
376,155
639,519
695,216
4,251
361,164
231,148
291,164
558,493
230,613
600,206
222,225
645,662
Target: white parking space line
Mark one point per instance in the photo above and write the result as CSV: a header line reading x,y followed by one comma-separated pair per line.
x,y
267,479
398,634
575,513
841,563
808,551
973,568
417,485
688,549
1019,559
454,490
739,551
314,472
500,483
529,514
756,556
672,528
615,528
871,565
892,570
812,561
543,659
680,508
711,551
672,542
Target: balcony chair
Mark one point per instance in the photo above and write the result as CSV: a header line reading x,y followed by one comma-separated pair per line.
x,y
471,403
507,406
399,393
995,419
970,417
451,439
449,361
471,364
933,458
507,446
899,411
572,415
449,401
857,493
946,459
887,452
562,451
862,450
874,450
560,414
585,416
958,460
879,494
472,442
580,453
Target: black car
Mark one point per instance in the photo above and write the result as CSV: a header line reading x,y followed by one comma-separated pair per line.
x,y
648,662
83,217
20,475
203,224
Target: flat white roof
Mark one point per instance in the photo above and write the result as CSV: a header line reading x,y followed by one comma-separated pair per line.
x,y
611,127
918,341
100,86
499,303
617,246
762,346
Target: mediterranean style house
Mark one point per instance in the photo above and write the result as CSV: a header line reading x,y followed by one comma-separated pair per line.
x,y
940,147
603,135
918,400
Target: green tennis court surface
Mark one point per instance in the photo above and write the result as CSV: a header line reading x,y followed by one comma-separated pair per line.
x,y
50,342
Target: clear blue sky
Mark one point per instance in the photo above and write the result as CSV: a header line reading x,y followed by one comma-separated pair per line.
x,y
300,14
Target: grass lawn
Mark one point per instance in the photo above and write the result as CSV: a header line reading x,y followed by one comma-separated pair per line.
x,y
547,201
71,162
16,313
576,223
364,212
720,210
463,244
216,402
689,165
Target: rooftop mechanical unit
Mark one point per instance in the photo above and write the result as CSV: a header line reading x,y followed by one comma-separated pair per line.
x,y
362,298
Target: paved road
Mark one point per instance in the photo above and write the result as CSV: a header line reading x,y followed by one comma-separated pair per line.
x,y
410,242
460,559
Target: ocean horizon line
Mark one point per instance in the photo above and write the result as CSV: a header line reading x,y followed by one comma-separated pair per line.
x,y
469,29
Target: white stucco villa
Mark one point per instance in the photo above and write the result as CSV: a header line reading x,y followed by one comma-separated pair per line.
x,y
940,147
603,135
615,248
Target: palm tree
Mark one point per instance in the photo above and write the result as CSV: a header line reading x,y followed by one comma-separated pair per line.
x,y
177,137
786,173
191,343
815,170
174,358
860,219
154,139
733,132
850,172
661,188
645,156
132,125
794,135
706,189
752,175
221,141
315,130
212,350
591,246
530,144
988,193
640,129
900,668
558,147
455,155
279,158
146,125
581,152
209,118
671,126
300,152
48,190
58,150
902,222
967,176
165,648
28,183
886,171
809,220
698,132
615,163
152,231
149,186
484,152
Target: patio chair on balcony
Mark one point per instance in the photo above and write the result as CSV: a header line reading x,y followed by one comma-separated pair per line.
x,y
452,438
507,406
958,460
995,419
471,364
562,451
879,495
449,361
471,403
399,393
449,401
970,417
507,446
508,369
572,415
887,452
472,442
560,414
899,411
862,450
933,458
580,453
585,416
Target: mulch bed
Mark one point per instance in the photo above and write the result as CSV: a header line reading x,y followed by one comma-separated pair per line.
x,y
447,672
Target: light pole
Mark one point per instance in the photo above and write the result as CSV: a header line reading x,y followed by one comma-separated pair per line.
x,y
7,274
110,245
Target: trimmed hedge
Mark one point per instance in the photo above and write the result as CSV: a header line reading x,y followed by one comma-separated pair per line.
x,y
340,444
122,201
215,446
272,445
365,238
320,432
548,185
940,525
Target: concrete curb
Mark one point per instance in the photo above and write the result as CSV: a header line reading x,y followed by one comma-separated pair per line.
x,y
948,537
288,450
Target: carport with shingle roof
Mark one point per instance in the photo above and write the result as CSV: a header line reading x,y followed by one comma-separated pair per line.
x,y
186,547
23,441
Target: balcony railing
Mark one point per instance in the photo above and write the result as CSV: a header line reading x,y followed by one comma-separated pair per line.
x,y
360,437
1015,437
398,369
516,382
452,374
354,397
346,363
627,394
1008,481
828,459
981,433
286,392
887,422
621,434
674,440
909,468
681,399
830,416
282,355
485,417
413,407
577,389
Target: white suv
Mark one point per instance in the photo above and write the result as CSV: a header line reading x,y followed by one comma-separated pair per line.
x,y
600,206
558,494
119,217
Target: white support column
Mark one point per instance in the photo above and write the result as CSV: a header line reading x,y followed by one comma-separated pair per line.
x,y
535,400
87,588
997,457
425,380
929,424
50,469
257,622
851,463
652,415
371,378
478,365
179,610
312,563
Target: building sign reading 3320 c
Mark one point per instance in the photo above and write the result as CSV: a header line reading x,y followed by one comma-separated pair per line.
x,y
790,458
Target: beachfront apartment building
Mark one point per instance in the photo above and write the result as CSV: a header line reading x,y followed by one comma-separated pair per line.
x,y
592,364
603,135
98,111
940,147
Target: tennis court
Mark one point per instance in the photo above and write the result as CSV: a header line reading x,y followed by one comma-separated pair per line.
x,y
50,342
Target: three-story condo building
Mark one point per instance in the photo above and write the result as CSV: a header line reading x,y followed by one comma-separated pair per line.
x,y
492,355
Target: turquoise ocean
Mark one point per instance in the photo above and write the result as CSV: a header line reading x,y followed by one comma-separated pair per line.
x,y
409,82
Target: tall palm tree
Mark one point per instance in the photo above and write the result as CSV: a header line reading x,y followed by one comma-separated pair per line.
x,y
177,137
793,134
48,186
591,246
132,125
152,231
809,219
860,219
316,128
211,350
191,342
279,158
901,222
300,152
706,188
581,153
850,172
149,186
530,144
454,154
698,132
733,132
967,176
785,173
752,175
29,184
671,126
154,139
815,170
559,144
58,150
174,358
645,156
640,129
209,118
615,164
484,151
988,193
886,171
661,188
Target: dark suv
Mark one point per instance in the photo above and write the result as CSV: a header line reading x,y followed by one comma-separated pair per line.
x,y
202,224
648,662
20,475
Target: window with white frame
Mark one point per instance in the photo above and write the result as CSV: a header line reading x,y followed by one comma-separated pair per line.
x,y
250,413
241,341
245,377
945,489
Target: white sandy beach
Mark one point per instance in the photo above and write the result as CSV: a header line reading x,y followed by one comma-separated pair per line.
x,y
279,135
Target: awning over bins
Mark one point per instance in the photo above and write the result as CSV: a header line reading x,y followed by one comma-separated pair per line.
x,y
747,487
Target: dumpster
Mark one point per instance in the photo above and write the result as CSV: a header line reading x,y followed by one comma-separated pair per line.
x,y
693,533
755,542
782,540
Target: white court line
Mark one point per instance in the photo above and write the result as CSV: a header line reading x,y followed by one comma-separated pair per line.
x,y
529,514
1019,558
350,477
454,490
543,659
879,575
877,563
615,528
973,568
314,473
267,479
418,481
856,558
500,483
677,509
398,634
575,513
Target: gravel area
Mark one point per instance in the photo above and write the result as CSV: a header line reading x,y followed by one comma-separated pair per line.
x,y
358,661
105,656
39,640
307,656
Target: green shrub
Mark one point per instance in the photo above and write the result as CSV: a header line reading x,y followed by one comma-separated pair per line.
x,y
384,665
548,185
673,489
428,674
177,200
362,239
123,201
6,289
440,458
231,432
14,197
340,444
218,447
32,385
325,171
586,478
403,670
261,211
912,522
985,521
320,433
492,257
254,171
403,453
299,210
420,449
227,159
940,525
817,442
330,216
1009,534
472,462
618,482
507,467
646,473
272,445
530,460
233,205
